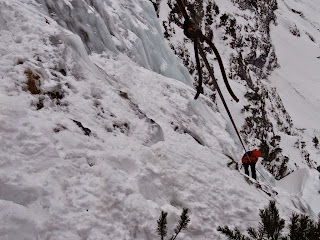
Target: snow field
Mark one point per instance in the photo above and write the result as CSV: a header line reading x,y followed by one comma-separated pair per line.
x,y
297,80
151,147
114,183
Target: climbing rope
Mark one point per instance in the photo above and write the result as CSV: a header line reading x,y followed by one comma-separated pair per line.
x,y
220,94
195,34
199,88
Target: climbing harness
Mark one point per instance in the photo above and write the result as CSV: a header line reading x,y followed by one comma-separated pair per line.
x,y
195,34
266,181
249,154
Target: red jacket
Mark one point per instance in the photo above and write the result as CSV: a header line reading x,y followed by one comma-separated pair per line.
x,y
254,155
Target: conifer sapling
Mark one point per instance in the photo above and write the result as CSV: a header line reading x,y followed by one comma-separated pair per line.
x,y
182,224
162,225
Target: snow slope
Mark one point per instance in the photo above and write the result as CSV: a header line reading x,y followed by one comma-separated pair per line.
x,y
298,79
102,143
299,188
296,38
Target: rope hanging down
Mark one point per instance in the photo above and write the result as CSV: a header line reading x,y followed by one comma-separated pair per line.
x,y
220,94
194,33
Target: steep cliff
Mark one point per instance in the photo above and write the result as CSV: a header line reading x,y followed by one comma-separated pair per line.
x,y
241,31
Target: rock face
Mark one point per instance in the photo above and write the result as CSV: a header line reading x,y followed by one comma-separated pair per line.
x,y
241,32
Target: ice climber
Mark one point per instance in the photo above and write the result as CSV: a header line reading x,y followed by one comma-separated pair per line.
x,y
251,161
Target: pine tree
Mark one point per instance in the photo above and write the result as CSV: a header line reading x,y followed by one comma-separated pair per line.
x,y
270,227
315,140
232,234
302,227
271,224
182,224
162,225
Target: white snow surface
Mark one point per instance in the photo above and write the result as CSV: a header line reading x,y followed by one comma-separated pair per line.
x,y
296,38
298,189
151,146
298,78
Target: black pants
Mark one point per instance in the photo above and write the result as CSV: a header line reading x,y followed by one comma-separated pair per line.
x,y
253,169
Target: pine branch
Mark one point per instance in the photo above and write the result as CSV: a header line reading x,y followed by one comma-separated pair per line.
x,y
303,227
162,225
271,224
252,233
232,234
182,224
